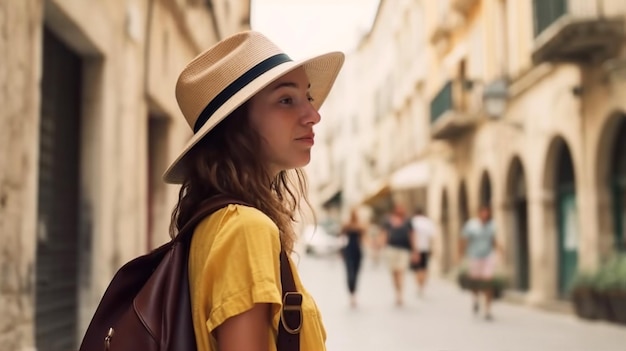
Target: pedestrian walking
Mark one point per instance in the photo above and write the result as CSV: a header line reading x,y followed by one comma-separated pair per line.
x,y
400,249
479,245
252,111
353,231
423,231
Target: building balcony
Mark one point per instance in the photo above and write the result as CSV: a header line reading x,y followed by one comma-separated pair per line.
x,y
574,31
463,6
451,114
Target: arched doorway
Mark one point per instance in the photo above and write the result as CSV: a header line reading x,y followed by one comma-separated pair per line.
x,y
611,186
517,210
463,205
446,242
485,189
561,181
618,187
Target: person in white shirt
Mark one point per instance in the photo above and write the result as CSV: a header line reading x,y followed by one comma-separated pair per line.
x,y
424,231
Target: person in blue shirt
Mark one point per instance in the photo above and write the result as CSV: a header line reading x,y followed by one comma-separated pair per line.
x,y
478,244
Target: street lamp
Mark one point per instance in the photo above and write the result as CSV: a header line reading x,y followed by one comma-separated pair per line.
x,y
495,96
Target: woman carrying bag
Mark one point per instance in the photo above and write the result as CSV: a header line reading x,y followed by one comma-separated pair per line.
x,y
252,111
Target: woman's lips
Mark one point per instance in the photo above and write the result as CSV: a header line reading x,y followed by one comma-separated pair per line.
x,y
307,140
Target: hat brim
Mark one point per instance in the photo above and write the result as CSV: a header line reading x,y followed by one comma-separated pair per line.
x,y
322,71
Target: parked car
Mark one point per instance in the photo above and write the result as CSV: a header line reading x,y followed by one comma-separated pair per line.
x,y
319,242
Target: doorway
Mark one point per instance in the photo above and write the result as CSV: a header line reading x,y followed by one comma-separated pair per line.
x,y
56,292
618,188
567,219
485,190
446,237
517,207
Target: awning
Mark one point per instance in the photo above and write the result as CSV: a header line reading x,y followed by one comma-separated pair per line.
x,y
378,192
334,200
330,191
412,176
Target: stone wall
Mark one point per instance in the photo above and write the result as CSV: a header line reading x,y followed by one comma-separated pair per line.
x,y
19,76
116,103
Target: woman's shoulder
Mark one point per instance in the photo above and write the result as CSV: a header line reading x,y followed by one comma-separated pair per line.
x,y
239,218
245,216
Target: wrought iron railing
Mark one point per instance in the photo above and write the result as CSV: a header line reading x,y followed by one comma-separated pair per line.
x,y
442,102
546,12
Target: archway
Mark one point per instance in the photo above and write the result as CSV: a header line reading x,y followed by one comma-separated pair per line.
x,y
464,213
517,221
561,183
611,185
446,237
485,189
618,187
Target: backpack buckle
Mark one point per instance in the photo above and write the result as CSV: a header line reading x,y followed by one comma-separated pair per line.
x,y
291,312
107,339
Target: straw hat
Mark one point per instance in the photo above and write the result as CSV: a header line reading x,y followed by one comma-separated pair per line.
x,y
226,75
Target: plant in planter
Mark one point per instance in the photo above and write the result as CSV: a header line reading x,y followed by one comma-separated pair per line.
x,y
497,284
581,292
610,286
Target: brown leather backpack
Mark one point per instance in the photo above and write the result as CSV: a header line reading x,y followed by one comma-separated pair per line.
x,y
147,305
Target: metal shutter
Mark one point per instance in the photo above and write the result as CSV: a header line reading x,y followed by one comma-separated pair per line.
x,y
57,243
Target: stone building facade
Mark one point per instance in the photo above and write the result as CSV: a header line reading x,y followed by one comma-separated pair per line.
x,y
89,122
522,107
373,123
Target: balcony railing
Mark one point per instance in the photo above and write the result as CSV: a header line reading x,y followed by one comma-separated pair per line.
x,y
442,102
463,6
575,31
454,110
547,12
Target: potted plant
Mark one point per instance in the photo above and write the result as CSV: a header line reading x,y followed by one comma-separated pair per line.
x,y
613,287
497,284
582,294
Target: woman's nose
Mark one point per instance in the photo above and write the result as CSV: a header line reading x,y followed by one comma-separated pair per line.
x,y
311,115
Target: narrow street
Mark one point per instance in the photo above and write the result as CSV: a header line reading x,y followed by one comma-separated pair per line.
x,y
442,320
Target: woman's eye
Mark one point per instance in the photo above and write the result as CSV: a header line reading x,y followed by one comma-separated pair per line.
x,y
286,101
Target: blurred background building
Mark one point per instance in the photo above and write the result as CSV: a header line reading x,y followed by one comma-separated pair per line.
x,y
521,105
89,123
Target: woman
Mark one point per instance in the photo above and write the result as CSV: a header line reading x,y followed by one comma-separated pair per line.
x,y
352,253
252,110
401,247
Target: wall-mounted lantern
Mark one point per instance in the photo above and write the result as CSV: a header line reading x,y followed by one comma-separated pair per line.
x,y
495,97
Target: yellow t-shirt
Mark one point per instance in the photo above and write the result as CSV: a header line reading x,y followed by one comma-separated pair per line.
x,y
234,263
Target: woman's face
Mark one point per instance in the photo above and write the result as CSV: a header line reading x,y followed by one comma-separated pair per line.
x,y
284,117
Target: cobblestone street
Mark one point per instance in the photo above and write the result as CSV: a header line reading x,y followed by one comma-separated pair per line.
x,y
442,320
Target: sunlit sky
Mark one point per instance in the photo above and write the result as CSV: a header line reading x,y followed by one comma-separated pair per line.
x,y
307,27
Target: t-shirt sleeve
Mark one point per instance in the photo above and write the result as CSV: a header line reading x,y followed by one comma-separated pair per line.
x,y
432,228
243,267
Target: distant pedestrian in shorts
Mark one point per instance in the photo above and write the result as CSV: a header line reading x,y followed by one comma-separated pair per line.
x,y
401,248
423,232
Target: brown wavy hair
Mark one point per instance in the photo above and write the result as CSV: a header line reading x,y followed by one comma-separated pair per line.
x,y
227,161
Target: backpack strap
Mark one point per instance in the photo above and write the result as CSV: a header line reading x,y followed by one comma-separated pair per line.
x,y
291,313
207,207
